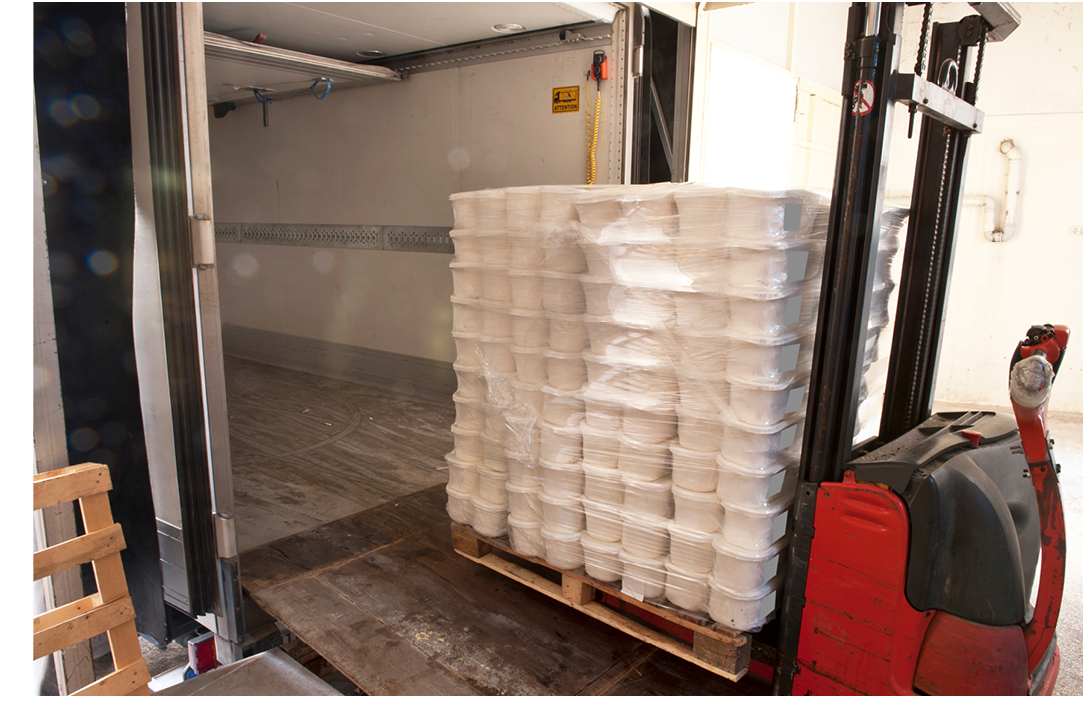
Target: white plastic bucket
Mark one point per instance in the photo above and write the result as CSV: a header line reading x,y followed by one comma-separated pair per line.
x,y
523,502
703,393
492,486
601,559
700,311
530,365
649,425
562,293
468,446
754,487
645,537
496,354
765,403
600,448
464,206
562,550
643,460
603,520
529,328
526,289
562,480
525,537
643,579
567,333
561,515
697,432
495,319
466,315
605,485
742,611
603,413
495,284
490,519
565,371
687,590
652,498
562,408
698,511
462,476
691,550
492,452
761,446
695,471
467,350
460,506
521,472
561,444
469,412
756,528
466,280
745,571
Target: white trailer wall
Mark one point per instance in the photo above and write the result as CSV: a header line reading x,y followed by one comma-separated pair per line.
x,y
384,155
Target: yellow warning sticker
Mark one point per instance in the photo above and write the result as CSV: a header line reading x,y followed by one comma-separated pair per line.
x,y
566,100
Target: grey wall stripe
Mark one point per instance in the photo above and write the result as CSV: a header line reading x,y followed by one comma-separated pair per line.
x,y
406,374
417,239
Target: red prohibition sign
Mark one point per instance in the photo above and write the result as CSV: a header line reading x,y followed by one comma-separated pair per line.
x,y
864,97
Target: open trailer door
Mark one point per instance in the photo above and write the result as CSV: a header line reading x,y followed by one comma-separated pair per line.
x,y
177,324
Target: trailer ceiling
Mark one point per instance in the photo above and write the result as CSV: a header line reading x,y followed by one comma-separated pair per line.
x,y
341,31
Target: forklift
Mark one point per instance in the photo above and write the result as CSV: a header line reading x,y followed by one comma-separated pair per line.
x,y
913,555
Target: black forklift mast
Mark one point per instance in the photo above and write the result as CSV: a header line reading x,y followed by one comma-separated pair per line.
x,y
873,84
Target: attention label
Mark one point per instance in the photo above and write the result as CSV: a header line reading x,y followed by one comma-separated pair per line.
x,y
566,100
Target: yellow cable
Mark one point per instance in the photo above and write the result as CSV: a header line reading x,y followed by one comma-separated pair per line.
x,y
592,136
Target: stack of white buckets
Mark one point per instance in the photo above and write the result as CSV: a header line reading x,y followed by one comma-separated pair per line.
x,y
632,366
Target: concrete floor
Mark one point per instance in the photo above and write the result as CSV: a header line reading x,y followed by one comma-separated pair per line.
x,y
1066,429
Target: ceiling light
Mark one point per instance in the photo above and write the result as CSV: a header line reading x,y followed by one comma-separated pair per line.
x,y
371,53
507,28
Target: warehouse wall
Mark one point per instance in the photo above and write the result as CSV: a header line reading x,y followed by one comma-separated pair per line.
x,y
1031,91
385,155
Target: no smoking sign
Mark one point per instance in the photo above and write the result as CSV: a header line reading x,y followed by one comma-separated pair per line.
x,y
864,97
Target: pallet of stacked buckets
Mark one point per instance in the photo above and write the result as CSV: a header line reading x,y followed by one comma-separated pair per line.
x,y
632,364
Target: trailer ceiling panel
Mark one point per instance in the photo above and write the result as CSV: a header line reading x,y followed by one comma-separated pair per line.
x,y
342,30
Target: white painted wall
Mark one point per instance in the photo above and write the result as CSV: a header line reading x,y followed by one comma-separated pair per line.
x,y
1031,91
385,155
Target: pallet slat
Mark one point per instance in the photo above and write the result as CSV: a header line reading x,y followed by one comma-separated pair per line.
x,y
84,626
124,682
90,547
721,651
66,612
70,484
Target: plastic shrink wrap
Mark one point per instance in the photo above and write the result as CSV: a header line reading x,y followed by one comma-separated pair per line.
x,y
633,367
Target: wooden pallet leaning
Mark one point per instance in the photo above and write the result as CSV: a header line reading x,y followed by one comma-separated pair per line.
x,y
109,610
715,648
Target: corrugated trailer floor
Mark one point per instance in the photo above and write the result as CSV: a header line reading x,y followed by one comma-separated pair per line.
x,y
384,598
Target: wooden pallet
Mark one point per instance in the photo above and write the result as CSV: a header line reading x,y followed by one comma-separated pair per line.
x,y
109,610
713,647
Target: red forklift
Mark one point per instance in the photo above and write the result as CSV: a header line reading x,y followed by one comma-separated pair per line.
x,y
913,555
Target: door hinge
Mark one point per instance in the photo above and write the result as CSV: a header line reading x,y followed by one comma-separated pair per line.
x,y
225,535
202,241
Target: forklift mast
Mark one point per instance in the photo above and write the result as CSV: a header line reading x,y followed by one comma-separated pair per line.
x,y
945,98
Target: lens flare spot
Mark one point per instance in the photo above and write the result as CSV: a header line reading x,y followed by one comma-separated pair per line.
x,y
244,265
102,262
323,261
83,439
458,159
